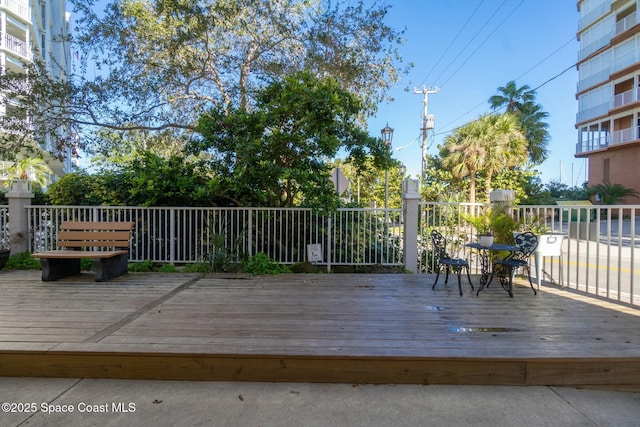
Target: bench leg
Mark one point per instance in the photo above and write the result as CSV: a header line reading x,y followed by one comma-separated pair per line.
x,y
107,268
56,268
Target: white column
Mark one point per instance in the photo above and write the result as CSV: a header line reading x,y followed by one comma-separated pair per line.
x,y
19,197
411,213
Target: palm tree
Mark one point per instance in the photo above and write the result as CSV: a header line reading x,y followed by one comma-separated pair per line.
x,y
487,145
513,97
612,193
521,102
31,168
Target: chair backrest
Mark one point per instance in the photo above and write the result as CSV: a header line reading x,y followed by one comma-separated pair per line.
x,y
527,243
439,244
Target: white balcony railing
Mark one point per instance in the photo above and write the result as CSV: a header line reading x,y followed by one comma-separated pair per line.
x,y
16,45
626,23
594,79
625,98
592,144
593,112
624,135
17,7
593,47
591,16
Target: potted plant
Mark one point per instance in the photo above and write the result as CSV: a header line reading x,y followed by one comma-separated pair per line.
x,y
483,225
493,225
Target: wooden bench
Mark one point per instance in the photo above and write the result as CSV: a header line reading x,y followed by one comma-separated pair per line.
x,y
107,243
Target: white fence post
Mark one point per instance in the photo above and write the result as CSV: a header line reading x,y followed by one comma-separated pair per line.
x,y
410,199
19,197
329,255
172,240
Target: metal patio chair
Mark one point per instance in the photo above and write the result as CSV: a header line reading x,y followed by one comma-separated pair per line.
x,y
526,243
446,261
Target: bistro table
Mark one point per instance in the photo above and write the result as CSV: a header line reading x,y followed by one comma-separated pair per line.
x,y
486,266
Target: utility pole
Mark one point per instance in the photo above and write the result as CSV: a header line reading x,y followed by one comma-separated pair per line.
x,y
428,121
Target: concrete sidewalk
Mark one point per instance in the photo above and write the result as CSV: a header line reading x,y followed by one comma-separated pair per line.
x,y
192,403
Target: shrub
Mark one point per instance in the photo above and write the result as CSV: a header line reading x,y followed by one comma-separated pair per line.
x,y
142,266
167,268
197,267
260,263
22,261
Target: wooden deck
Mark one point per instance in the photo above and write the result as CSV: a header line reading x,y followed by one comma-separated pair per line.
x,y
311,328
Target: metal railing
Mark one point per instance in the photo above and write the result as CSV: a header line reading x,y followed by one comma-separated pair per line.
x,y
187,235
4,227
599,251
17,7
16,45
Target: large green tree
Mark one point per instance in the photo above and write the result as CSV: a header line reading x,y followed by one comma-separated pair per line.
x,y
486,145
157,65
277,153
520,101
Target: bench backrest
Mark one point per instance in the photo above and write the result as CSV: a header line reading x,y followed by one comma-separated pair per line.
x,y
99,234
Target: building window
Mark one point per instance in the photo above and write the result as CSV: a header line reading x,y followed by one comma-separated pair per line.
x,y
605,171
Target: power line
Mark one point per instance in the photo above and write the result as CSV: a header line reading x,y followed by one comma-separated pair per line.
x,y
504,106
483,42
452,42
545,58
516,79
472,39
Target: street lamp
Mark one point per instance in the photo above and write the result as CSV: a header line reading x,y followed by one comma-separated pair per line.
x,y
387,136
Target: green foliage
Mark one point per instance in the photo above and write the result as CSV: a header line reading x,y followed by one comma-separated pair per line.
x,y
367,183
221,258
494,221
160,64
148,180
260,263
441,185
612,194
76,188
275,155
22,261
86,264
197,267
520,101
486,145
167,268
34,169
304,267
141,266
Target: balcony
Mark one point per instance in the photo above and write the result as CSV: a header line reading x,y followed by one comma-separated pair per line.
x,y
626,23
626,98
624,135
593,144
15,45
593,112
594,79
592,16
16,7
595,46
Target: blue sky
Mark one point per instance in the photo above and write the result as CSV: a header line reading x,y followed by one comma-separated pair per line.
x,y
469,48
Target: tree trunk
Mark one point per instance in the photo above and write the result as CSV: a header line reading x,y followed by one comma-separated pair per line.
x,y
472,187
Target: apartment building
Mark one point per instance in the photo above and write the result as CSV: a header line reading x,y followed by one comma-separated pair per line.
x,y
35,27
608,91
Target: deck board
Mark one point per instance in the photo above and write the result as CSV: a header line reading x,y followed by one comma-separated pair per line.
x,y
329,328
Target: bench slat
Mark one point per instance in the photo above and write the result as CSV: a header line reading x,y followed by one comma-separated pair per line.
x,y
96,225
96,244
77,254
93,235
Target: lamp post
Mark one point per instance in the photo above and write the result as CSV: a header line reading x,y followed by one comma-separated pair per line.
x,y
387,136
